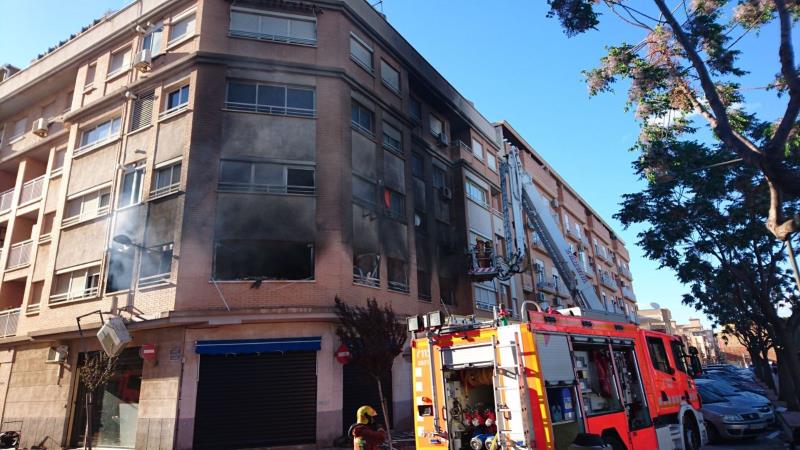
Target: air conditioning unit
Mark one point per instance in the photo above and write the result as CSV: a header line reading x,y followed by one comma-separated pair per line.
x,y
441,140
143,60
554,203
113,336
40,127
447,194
57,355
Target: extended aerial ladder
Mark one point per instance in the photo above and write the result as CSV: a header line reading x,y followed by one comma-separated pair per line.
x,y
519,196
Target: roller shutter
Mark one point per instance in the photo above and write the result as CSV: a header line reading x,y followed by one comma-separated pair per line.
x,y
555,358
256,400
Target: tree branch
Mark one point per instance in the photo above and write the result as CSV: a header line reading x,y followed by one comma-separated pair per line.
x,y
774,148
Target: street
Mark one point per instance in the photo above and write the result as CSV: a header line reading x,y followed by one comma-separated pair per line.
x,y
769,441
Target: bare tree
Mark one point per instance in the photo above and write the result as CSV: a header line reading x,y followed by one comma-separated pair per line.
x,y
375,337
98,368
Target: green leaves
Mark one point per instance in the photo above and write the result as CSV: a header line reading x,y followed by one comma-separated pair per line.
x,y
576,16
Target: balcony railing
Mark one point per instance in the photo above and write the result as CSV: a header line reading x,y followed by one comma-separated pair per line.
x,y
154,280
8,322
625,273
85,215
366,280
5,200
398,286
608,281
19,254
548,286
628,293
84,294
164,191
31,190
458,144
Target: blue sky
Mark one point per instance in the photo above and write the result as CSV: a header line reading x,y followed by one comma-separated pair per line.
x,y
515,64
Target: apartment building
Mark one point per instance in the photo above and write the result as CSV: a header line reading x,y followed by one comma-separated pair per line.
x,y
216,173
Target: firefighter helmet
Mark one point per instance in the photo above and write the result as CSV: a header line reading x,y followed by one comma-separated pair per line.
x,y
364,413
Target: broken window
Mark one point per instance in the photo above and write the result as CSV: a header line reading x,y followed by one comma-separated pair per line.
x,y
395,204
447,291
367,269
156,265
243,259
423,285
398,274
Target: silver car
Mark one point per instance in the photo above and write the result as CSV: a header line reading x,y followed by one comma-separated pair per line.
x,y
733,395
727,419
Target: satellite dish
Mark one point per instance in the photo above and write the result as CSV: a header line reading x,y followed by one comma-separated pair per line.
x,y
655,305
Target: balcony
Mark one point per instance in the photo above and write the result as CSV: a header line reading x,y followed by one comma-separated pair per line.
x,y
84,216
31,190
571,232
628,293
84,294
8,322
154,280
607,281
547,286
19,254
461,146
625,273
5,200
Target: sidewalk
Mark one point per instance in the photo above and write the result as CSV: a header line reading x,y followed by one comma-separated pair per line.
x,y
787,421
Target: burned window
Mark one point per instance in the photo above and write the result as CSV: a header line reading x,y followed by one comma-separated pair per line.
x,y
395,204
417,166
265,178
447,291
120,268
156,265
398,274
367,269
439,178
423,285
242,259
364,192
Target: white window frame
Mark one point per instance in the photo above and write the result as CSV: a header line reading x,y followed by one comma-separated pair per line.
x,y
171,188
123,67
491,161
369,66
89,84
483,202
85,214
111,135
481,305
434,119
285,110
385,66
180,106
18,131
477,149
92,272
190,31
272,37
159,28
138,184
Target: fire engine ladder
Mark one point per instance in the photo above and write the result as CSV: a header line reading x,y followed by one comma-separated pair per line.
x,y
505,414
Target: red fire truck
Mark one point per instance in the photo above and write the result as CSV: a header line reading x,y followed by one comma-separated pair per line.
x,y
558,379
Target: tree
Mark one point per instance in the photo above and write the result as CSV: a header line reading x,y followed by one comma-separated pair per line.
x,y
97,369
706,227
375,337
687,64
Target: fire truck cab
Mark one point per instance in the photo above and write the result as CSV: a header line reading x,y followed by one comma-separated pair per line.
x,y
541,384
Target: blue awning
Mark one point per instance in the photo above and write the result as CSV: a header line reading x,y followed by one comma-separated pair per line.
x,y
299,344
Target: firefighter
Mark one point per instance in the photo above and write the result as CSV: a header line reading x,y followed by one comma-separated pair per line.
x,y
366,433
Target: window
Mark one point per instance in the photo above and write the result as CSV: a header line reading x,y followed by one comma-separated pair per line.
x,y
423,285
362,118
539,269
392,138
142,111
679,355
447,291
131,190
90,72
390,76
415,109
86,207
242,259
20,127
491,161
99,133
397,270
277,28
476,193
168,180
658,354
152,39
395,204
156,265
119,276
439,178
181,28
477,149
177,98
417,166
437,127
265,178
485,298
364,192
361,53
566,222
58,160
119,62
596,379
271,99
76,285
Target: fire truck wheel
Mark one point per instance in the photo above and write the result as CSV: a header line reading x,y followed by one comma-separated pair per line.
x,y
691,433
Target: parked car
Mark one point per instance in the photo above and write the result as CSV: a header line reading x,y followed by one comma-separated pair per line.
x,y
727,419
729,392
736,381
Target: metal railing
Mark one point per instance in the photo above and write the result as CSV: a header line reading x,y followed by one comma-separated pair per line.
x,y
91,292
5,200
399,286
165,190
265,188
154,280
546,286
607,281
366,280
625,272
8,322
85,215
31,190
461,145
19,254
272,37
